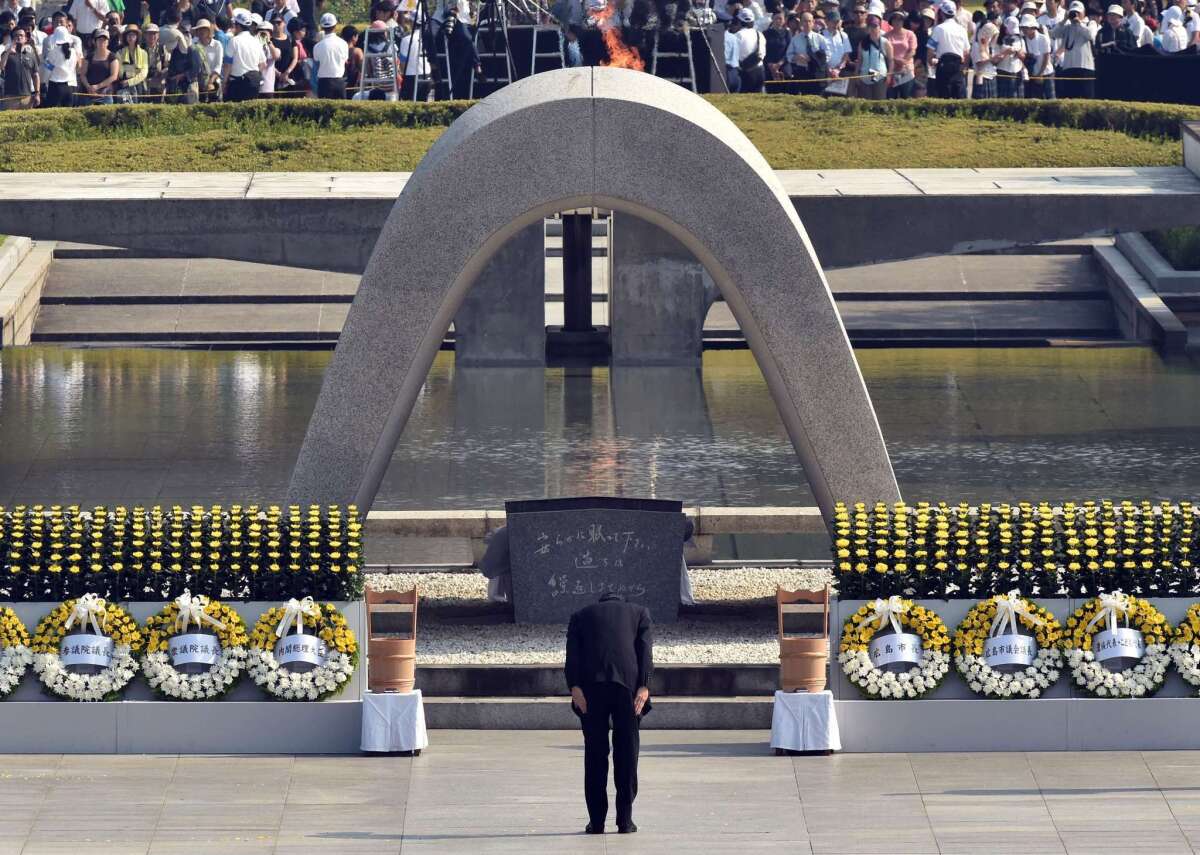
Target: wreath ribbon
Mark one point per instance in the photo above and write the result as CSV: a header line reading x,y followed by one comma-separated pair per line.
x,y
886,611
294,612
1110,605
1009,607
191,610
89,608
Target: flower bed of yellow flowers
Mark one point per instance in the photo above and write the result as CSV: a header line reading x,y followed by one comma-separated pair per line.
x,y
1107,611
1185,646
324,681
900,615
1069,549
125,554
87,614
994,618
15,653
208,616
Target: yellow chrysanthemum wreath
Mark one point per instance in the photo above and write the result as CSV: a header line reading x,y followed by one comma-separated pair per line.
x,y
188,614
995,617
901,615
324,681
91,614
1185,646
15,653
1107,611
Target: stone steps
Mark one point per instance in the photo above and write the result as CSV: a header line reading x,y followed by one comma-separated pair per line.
x,y
554,713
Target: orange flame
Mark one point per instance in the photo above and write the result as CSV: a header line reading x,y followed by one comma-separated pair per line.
x,y
620,55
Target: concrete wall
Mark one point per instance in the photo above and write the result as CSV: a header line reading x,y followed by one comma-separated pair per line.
x,y
660,296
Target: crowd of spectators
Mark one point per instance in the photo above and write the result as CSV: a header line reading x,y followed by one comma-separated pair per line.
x,y
104,51
1006,49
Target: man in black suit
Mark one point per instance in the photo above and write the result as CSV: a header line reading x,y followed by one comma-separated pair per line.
x,y
610,660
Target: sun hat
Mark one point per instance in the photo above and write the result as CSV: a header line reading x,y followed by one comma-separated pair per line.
x,y
328,20
1076,6
62,36
1028,21
202,24
947,7
242,18
100,33
744,15
927,12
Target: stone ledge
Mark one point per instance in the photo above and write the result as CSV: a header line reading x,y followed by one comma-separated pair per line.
x,y
554,713
1163,278
1190,131
1141,312
21,292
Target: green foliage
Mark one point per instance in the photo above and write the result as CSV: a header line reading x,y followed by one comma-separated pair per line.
x,y
1180,247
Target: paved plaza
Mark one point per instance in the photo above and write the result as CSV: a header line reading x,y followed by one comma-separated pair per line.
x,y
505,791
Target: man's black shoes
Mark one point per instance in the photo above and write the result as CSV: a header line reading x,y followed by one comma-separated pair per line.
x,y
593,829
627,828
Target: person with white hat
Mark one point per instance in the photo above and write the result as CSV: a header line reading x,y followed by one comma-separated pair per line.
x,y
245,60
1077,78
64,59
947,51
207,55
331,54
1009,57
1039,60
1174,34
751,48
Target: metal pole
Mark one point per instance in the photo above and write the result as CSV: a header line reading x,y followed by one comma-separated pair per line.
x,y
577,272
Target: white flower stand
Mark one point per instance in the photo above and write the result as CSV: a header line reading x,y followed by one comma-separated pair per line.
x,y
805,722
393,722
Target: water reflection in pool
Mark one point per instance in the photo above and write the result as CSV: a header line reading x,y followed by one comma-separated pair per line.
x,y
159,425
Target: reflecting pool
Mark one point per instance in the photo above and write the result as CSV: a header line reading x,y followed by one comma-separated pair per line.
x,y
97,426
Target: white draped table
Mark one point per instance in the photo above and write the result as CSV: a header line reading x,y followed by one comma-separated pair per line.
x,y
393,721
805,721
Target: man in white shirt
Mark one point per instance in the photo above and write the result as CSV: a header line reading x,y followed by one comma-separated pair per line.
x,y
245,60
947,51
88,14
331,54
752,47
1136,25
733,78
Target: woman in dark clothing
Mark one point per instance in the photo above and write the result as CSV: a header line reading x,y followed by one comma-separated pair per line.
x,y
103,69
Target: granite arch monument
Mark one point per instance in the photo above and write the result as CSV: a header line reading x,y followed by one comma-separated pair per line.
x,y
617,140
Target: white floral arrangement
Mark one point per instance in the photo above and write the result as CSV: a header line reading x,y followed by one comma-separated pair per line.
x,y
1141,680
875,682
322,682
220,677
994,617
1185,646
104,618
15,653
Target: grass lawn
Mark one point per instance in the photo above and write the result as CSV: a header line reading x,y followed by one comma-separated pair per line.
x,y
792,132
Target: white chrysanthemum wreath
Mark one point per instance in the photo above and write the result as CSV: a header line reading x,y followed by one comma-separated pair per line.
x,y
15,652
902,615
1185,646
325,680
1107,612
207,616
1001,616
88,612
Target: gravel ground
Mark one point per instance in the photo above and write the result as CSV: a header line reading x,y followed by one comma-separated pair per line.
x,y
710,641
731,585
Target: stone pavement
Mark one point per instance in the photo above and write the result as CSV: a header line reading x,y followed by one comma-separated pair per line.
x,y
701,791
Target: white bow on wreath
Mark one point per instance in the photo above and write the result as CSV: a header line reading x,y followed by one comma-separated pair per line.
x,y
293,613
89,609
191,610
886,611
1009,607
1110,605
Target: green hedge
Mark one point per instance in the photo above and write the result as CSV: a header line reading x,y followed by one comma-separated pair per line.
x,y
1072,549
1147,121
235,553
1179,246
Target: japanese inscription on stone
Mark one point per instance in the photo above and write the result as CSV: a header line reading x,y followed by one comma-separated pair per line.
x,y
563,560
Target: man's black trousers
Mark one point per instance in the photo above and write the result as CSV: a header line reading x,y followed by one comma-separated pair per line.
x,y
609,702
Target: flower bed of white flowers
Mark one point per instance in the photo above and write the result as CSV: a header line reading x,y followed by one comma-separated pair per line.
x,y
86,687
321,682
913,683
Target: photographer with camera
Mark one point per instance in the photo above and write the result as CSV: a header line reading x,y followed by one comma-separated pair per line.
x,y
1077,35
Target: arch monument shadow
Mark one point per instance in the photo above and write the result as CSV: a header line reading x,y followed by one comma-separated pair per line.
x,y
618,140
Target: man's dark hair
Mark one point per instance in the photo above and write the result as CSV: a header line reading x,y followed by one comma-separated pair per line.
x,y
349,33
222,22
